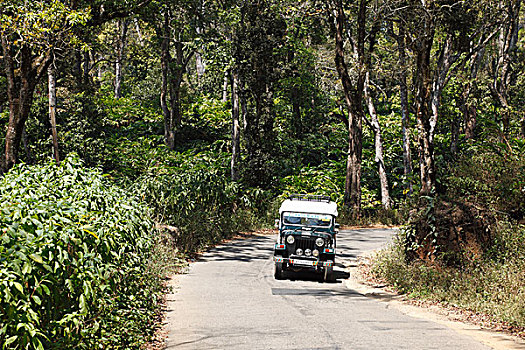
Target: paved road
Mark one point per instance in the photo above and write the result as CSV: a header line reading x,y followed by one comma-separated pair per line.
x,y
230,300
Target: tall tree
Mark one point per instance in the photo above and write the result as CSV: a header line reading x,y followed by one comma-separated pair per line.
x,y
359,36
256,44
30,31
405,114
121,45
27,42
501,67
52,109
236,128
172,23
378,145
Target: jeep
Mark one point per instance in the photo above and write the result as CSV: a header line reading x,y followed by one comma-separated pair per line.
x,y
307,235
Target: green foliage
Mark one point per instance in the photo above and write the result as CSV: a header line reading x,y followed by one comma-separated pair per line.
x,y
73,258
491,175
38,24
82,125
327,179
196,197
493,284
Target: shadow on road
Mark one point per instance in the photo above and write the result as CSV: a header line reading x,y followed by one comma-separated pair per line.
x,y
309,275
246,250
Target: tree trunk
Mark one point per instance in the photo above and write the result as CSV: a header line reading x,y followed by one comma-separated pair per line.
x,y
297,122
454,135
139,32
354,101
423,112
244,105
121,45
199,63
86,69
506,45
445,62
225,86
21,85
165,62
52,109
379,159
405,116
176,83
78,71
236,129
468,108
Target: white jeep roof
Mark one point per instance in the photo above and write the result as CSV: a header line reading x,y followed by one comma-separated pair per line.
x,y
305,206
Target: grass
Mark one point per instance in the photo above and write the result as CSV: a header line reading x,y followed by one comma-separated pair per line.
x,y
493,284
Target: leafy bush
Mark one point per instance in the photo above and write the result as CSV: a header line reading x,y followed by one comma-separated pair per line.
x,y
73,258
82,127
493,284
492,176
197,197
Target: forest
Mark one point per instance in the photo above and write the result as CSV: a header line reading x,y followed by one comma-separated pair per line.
x,y
138,132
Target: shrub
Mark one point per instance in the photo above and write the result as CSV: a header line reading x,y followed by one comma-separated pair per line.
x,y
196,196
493,284
491,176
72,261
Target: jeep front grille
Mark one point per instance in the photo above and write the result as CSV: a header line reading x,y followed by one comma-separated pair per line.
x,y
304,243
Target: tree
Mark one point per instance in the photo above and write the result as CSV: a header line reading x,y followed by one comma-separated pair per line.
x,y
31,32
52,109
172,23
121,45
353,88
376,127
442,37
256,53
502,64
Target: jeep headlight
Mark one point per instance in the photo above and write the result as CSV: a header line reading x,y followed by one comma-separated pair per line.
x,y
290,239
319,242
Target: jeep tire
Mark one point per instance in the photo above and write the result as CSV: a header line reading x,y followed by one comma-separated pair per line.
x,y
328,274
278,271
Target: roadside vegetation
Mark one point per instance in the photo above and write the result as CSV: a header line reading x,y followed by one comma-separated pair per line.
x,y
74,260
477,259
136,133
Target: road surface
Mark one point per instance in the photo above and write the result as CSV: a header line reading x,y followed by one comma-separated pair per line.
x,y
230,300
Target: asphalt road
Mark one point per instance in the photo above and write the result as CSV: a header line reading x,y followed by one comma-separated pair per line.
x,y
230,300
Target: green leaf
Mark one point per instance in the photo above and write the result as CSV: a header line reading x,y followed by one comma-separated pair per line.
x,y
10,340
82,304
37,258
27,268
46,289
37,344
19,287
91,233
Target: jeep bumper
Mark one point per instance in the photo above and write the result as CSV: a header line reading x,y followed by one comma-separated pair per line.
x,y
303,262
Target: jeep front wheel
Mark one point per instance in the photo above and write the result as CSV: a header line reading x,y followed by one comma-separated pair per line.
x,y
278,271
328,274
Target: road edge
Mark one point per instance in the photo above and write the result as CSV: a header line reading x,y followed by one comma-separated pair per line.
x,y
495,339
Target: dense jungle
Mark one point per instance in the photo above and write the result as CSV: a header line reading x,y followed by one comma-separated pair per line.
x,y
136,133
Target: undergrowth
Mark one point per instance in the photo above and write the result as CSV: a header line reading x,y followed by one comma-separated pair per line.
x,y
80,261
493,284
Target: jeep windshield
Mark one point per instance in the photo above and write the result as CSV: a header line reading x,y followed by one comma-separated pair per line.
x,y
303,219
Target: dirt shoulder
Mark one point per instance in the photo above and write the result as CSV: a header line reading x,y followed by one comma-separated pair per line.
x,y
497,335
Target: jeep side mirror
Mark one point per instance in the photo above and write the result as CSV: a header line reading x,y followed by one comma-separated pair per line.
x,y
337,226
276,223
